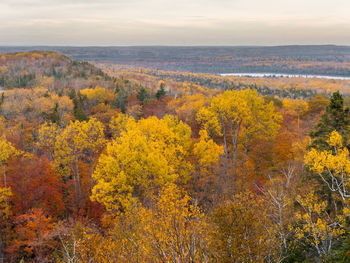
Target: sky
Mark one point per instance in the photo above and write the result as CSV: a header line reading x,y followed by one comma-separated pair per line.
x,y
174,22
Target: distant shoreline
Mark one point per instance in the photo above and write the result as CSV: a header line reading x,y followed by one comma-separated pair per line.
x,y
283,75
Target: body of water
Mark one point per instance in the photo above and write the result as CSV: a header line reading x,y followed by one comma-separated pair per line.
x,y
282,75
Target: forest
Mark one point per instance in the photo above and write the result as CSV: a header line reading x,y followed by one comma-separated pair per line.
x,y
281,87
109,163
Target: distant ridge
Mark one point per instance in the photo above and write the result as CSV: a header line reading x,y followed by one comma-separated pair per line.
x,y
290,59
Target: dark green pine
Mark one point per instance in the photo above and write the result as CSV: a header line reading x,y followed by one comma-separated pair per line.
x,y
336,118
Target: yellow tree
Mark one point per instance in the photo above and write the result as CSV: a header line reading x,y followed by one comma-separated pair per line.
x,y
5,194
7,151
97,95
315,227
147,155
64,108
86,244
206,153
174,230
118,124
224,118
240,231
78,140
43,105
280,193
47,134
262,121
93,140
239,112
296,108
68,148
332,166
317,104
187,107
211,124
231,109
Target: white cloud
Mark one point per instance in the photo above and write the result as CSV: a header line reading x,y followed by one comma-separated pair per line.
x,y
139,22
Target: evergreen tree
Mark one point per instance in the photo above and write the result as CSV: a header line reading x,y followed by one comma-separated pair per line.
x,y
72,94
78,111
54,117
122,99
161,92
142,94
337,118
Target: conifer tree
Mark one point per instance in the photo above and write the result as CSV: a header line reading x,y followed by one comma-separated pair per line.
x,y
161,92
336,117
78,99
142,94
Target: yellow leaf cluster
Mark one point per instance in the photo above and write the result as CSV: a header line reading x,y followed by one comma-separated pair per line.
x,y
6,150
332,163
315,226
5,194
206,150
147,155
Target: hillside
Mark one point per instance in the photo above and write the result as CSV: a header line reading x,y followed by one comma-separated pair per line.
x,y
27,69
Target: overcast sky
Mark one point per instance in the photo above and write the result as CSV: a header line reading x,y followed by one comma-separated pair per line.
x,y
174,22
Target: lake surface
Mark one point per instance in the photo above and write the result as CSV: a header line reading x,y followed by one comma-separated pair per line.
x,y
282,75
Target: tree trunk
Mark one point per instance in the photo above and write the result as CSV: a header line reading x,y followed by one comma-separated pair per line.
x,y
78,177
234,135
225,148
5,180
196,176
246,143
91,172
1,243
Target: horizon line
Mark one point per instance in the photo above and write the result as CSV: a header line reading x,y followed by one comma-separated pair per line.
x,y
155,45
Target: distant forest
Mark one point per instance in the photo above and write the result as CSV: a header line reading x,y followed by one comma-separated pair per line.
x,y
321,60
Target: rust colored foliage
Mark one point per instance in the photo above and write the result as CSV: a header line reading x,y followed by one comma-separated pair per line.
x,y
35,184
33,235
